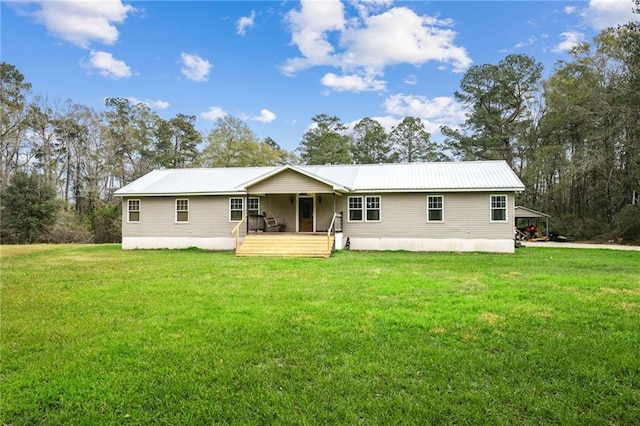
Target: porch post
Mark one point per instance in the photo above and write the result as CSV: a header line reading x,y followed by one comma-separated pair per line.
x,y
246,210
333,196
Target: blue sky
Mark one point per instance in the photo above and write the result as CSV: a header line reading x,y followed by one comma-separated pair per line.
x,y
276,64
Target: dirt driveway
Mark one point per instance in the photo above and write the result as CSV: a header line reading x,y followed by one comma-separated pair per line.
x,y
579,245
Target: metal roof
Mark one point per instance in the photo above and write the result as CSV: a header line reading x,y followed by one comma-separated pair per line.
x,y
521,211
403,177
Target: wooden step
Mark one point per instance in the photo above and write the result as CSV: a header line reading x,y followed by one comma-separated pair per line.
x,y
285,245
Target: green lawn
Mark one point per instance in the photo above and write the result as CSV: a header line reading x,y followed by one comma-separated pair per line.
x,y
96,335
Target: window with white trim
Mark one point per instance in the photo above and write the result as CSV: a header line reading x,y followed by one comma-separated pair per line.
x,y
355,209
364,208
133,211
435,208
373,208
236,208
182,210
498,208
253,205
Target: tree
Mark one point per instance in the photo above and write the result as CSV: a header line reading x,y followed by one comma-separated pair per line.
x,y
589,108
412,142
371,144
72,139
283,156
13,124
130,130
87,171
628,39
163,152
29,209
44,146
497,97
326,142
175,142
232,144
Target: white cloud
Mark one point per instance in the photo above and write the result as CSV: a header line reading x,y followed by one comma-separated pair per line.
x,y
107,65
530,42
353,83
365,45
82,22
246,22
310,27
194,67
570,10
570,40
265,116
433,112
365,7
213,113
601,14
411,79
150,103
399,35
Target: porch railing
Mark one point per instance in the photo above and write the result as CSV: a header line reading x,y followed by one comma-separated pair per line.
x,y
335,226
236,231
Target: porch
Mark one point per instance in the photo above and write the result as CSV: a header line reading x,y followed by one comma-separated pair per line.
x,y
288,212
256,240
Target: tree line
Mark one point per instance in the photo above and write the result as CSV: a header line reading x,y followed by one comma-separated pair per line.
x,y
573,139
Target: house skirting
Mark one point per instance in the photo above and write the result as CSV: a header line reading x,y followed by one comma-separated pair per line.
x,y
220,243
356,243
430,244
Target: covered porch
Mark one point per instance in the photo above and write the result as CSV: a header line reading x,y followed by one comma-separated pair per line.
x,y
292,213
292,203
303,228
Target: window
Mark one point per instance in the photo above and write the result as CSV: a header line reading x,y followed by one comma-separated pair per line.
x,y
133,211
355,209
498,208
435,208
236,208
182,210
364,208
253,206
373,208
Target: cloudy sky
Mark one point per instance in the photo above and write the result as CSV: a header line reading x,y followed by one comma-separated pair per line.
x,y
276,64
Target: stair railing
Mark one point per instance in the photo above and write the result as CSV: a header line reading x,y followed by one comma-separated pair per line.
x,y
236,230
336,225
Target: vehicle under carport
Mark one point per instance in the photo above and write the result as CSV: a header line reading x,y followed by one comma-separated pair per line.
x,y
526,218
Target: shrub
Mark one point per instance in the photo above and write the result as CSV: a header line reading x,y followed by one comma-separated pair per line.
x,y
579,228
106,222
70,228
626,224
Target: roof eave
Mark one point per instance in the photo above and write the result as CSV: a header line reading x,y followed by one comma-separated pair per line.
x,y
409,190
176,194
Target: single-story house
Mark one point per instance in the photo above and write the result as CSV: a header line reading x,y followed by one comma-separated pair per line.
x,y
446,206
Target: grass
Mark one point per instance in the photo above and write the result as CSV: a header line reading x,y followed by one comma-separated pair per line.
x,y
96,335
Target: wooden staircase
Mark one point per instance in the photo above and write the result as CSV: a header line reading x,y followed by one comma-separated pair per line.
x,y
285,245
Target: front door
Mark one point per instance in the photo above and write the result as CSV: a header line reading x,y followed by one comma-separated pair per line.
x,y
305,214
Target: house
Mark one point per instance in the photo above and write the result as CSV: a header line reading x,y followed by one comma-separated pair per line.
x,y
454,206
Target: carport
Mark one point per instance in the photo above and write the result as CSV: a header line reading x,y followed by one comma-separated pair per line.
x,y
525,216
